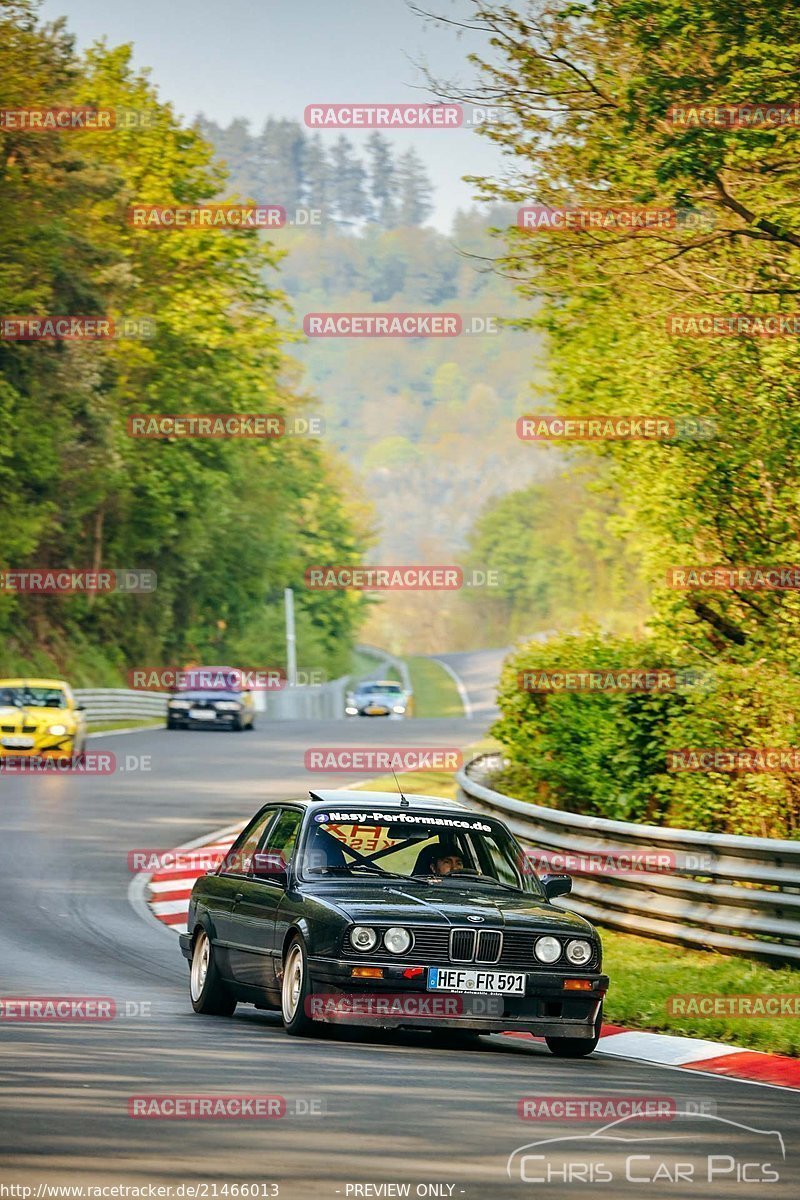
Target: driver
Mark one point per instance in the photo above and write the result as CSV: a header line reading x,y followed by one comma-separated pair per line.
x,y
447,860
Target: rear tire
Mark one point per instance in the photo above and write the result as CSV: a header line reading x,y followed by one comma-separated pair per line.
x,y
209,994
576,1047
295,991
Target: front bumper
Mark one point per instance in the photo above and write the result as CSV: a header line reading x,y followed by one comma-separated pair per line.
x,y
220,719
48,747
547,1009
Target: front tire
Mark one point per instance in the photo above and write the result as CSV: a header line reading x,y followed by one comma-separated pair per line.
x,y
295,991
209,994
576,1047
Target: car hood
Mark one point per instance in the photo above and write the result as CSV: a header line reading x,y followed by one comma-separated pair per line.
x,y
448,903
11,715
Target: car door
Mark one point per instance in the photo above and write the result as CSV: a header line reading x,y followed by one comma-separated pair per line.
x,y
253,956
223,890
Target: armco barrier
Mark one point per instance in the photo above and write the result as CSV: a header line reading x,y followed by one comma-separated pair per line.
x,y
297,703
322,702
739,895
121,704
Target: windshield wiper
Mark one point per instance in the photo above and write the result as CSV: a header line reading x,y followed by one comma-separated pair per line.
x,y
367,868
478,876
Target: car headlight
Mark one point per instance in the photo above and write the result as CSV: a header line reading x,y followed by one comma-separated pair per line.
x,y
363,938
397,940
579,952
56,729
398,708
179,704
227,706
547,949
351,712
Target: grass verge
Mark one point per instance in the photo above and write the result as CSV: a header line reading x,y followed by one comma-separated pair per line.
x,y
645,974
435,694
130,723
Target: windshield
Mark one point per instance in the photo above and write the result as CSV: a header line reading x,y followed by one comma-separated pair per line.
x,y
32,697
431,850
380,689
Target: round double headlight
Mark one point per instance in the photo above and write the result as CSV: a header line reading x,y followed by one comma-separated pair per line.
x,y
363,938
57,730
547,949
579,952
397,940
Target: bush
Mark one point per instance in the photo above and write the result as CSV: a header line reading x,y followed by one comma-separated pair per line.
x,y
607,753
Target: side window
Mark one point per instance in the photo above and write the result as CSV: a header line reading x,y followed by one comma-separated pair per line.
x,y
239,857
281,839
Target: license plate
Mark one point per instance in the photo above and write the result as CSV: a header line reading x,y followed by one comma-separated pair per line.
x,y
449,979
18,743
202,714
377,712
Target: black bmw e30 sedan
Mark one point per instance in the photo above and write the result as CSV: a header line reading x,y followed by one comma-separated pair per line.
x,y
372,908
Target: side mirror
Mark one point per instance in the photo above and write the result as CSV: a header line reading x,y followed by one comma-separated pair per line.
x,y
271,865
80,708
556,885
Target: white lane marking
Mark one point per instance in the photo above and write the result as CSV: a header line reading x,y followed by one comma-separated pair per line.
x,y
459,682
165,908
183,884
719,1075
663,1048
137,889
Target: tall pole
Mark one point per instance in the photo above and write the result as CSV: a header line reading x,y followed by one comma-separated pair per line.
x,y
291,640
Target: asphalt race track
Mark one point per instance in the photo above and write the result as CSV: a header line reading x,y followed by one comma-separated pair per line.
x,y
364,1108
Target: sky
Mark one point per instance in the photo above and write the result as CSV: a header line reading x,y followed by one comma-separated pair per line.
x,y
260,58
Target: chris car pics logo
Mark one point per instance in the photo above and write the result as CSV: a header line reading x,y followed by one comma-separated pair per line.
x,y
321,818
699,1149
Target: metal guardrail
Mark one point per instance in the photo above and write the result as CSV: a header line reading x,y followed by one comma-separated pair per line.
x,y
386,660
315,702
739,895
120,704
325,701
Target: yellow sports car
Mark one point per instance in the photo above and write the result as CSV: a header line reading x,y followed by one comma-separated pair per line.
x,y
38,718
